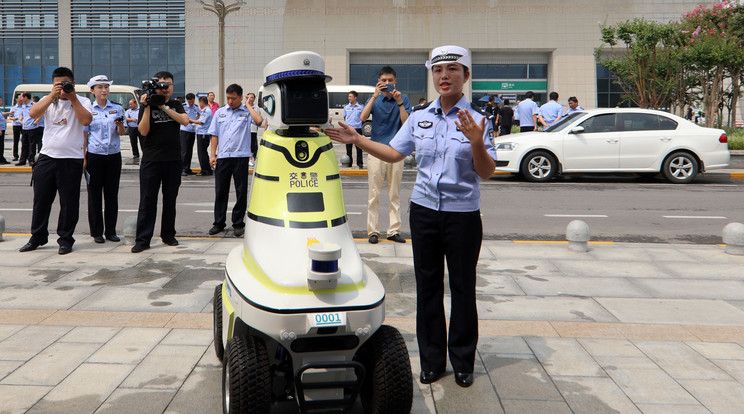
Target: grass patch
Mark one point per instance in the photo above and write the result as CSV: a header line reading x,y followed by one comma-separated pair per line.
x,y
736,143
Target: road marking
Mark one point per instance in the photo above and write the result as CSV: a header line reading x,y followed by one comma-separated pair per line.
x,y
16,209
578,215
204,211
356,213
696,217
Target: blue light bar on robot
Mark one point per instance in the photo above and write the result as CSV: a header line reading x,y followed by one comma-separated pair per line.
x,y
293,73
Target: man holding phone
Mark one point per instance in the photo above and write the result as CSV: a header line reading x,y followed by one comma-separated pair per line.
x,y
389,112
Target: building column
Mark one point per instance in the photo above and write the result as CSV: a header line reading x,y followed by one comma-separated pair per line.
x,y
64,19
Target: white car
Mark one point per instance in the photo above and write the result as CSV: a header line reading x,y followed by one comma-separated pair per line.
x,y
615,140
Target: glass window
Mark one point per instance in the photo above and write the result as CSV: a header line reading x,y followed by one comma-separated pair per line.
x,y
31,52
13,72
120,20
182,20
141,20
46,73
119,53
82,20
357,74
640,122
667,124
12,53
138,73
33,20
176,54
10,21
103,21
82,73
538,71
31,73
100,47
120,74
100,69
517,72
49,20
138,50
599,123
81,52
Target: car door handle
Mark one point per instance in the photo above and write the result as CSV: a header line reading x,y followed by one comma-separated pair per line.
x,y
612,140
665,139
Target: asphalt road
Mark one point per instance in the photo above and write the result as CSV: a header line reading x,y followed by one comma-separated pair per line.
x,y
617,208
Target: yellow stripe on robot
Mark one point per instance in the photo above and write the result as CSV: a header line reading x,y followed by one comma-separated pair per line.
x,y
261,277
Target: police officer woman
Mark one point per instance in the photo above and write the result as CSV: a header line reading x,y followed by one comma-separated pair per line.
x,y
453,152
103,161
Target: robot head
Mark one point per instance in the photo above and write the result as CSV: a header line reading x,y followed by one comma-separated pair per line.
x,y
295,93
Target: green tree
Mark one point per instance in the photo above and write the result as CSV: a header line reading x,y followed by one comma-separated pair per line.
x,y
647,67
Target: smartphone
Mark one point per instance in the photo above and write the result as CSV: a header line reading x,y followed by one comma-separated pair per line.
x,y
389,87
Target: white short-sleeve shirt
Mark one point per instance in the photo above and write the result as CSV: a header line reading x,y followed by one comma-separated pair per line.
x,y
63,134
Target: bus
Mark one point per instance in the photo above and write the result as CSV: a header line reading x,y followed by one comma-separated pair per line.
x,y
338,97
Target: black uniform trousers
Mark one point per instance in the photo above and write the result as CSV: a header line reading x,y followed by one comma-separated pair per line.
x,y
133,136
152,176
187,148
25,146
202,151
360,160
237,169
2,143
105,172
456,236
505,130
34,143
17,132
254,144
53,175
526,128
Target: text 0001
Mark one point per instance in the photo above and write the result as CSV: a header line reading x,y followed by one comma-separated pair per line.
x,y
327,319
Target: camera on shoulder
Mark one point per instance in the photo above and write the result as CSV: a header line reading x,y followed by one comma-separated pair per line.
x,y
151,87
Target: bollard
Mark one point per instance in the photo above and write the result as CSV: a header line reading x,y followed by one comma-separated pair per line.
x,y
577,234
346,161
409,161
733,237
129,229
2,225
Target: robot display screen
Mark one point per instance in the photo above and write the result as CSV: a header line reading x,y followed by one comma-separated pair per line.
x,y
304,101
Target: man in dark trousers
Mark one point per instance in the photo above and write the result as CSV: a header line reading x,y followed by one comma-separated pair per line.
x,y
231,151
60,164
159,129
506,120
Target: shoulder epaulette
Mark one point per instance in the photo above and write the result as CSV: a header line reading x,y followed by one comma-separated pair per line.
x,y
422,106
480,110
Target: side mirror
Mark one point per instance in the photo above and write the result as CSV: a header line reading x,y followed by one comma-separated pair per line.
x,y
577,130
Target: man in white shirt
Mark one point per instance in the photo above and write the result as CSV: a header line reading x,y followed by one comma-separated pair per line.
x,y
61,161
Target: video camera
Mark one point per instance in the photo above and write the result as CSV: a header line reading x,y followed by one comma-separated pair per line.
x,y
151,87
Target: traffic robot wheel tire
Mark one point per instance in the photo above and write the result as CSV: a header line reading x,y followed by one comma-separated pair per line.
x,y
219,347
246,378
388,387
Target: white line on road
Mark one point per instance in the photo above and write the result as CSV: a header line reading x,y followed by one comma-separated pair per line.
x,y
16,209
697,217
578,215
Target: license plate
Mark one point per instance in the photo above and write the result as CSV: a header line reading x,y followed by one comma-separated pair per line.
x,y
319,320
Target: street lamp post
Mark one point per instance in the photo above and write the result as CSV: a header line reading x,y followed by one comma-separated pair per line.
x,y
219,8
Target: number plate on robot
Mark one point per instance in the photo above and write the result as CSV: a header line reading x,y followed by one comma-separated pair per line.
x,y
320,320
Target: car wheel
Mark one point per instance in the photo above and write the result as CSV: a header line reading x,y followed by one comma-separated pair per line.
x,y
219,347
367,129
246,377
680,168
539,166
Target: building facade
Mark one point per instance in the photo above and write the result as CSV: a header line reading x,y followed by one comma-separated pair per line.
x,y
516,45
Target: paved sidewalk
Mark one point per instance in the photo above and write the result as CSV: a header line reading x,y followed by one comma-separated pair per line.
x,y
625,328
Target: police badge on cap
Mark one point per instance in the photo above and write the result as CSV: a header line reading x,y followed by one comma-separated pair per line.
x,y
449,54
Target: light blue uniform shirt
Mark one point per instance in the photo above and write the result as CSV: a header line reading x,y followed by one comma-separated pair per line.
x,y
193,112
16,109
205,116
352,115
578,108
28,122
3,122
446,179
525,110
232,127
551,111
102,136
132,113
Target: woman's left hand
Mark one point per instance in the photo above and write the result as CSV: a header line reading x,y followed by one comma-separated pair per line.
x,y
472,130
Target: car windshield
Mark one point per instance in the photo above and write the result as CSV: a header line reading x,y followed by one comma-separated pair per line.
x,y
564,122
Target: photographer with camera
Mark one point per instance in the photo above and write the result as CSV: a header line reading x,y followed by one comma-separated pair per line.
x,y
160,119
60,164
103,161
130,116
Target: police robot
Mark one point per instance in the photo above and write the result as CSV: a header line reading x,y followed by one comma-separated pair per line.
x,y
299,315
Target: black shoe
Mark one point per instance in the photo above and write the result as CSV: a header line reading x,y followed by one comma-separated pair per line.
x,y
464,379
29,246
427,377
397,238
171,242
201,174
239,232
183,173
139,248
113,238
135,157
373,239
4,161
216,229
15,158
99,239
18,164
65,249
189,172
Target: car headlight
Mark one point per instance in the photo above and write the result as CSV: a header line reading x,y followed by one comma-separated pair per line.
x,y
506,146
